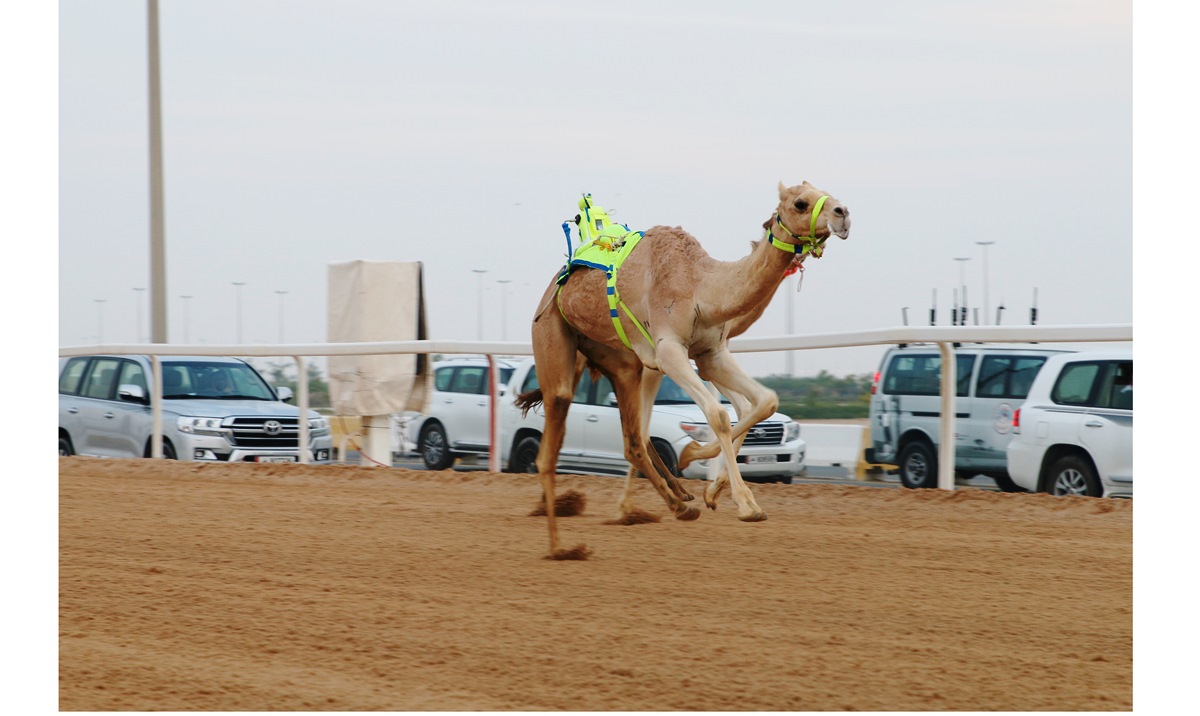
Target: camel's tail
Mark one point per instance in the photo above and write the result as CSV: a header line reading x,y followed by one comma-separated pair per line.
x,y
528,401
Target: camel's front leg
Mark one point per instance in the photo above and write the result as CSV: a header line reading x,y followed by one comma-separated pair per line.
x,y
723,370
741,406
673,359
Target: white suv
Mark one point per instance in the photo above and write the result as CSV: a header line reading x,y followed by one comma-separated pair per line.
x,y
594,441
1074,433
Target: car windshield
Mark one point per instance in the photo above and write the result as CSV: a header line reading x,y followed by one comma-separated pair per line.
x,y
669,393
213,380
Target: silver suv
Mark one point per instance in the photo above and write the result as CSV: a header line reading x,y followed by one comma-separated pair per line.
x,y
214,409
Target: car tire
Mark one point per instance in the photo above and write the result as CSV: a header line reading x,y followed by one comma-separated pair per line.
x,y
434,448
1006,484
65,449
667,455
524,458
918,465
168,450
1073,475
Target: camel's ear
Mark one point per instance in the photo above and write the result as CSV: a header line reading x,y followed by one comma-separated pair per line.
x,y
782,189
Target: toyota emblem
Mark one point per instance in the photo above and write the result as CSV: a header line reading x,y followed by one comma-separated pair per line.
x,y
758,433
272,427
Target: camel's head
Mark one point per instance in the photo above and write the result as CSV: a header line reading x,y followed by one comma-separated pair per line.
x,y
796,206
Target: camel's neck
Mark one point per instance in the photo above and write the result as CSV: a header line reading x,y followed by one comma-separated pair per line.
x,y
740,290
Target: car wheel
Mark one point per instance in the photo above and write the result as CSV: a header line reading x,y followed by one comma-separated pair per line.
x,y
918,465
168,451
435,450
667,455
1006,484
65,449
1072,475
525,456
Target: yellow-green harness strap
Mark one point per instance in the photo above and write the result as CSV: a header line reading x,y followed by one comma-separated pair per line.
x,y
614,300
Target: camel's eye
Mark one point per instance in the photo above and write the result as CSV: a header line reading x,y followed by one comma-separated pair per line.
x,y
801,205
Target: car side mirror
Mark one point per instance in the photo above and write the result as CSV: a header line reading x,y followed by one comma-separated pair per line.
x,y
611,399
285,393
131,393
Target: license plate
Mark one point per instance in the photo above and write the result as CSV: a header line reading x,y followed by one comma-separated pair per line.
x,y
274,458
760,458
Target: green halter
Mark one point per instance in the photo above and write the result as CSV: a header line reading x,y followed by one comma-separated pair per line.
x,y
809,244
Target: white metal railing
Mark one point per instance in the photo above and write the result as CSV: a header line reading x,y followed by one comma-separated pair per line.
x,y
945,337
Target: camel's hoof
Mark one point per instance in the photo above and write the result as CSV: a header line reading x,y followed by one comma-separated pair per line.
x,y
578,552
754,517
688,514
687,497
711,504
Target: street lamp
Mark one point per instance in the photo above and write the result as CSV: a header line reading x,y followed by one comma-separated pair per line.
x,y
238,285
503,307
985,244
186,339
479,317
137,337
99,319
962,282
281,295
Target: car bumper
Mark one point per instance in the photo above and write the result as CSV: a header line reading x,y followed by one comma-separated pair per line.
x,y
212,448
786,460
1025,463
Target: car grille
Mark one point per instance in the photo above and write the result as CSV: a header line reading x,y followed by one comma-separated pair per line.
x,y
259,432
765,434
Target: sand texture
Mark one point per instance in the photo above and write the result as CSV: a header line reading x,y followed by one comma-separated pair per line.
x,y
307,588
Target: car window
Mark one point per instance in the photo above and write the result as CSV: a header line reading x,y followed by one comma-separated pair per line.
x,y
101,378
132,373
583,388
441,378
469,379
603,389
921,374
68,382
1075,383
1116,386
531,381
1007,376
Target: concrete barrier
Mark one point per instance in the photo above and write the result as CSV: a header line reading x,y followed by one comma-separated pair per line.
x,y
840,446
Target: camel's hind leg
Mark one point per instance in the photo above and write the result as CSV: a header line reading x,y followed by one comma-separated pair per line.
x,y
651,380
554,346
624,370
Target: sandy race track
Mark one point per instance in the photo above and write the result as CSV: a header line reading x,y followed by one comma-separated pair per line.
x,y
306,588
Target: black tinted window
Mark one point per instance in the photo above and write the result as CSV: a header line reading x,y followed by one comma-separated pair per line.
x,y
1007,376
583,388
531,381
469,379
441,378
1098,384
921,374
1075,384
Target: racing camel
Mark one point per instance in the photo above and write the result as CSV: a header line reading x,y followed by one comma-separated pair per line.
x,y
678,305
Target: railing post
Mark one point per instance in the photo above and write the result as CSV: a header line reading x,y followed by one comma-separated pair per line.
x,y
494,414
302,406
156,435
945,477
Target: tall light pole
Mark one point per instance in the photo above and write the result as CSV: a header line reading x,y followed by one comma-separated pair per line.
x,y
99,319
186,338
985,244
479,290
137,337
238,288
281,295
503,307
962,284
158,248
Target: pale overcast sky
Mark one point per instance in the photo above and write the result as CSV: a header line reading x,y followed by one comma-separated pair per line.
x,y
460,134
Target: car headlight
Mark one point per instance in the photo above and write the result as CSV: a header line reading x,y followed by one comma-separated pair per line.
x,y
200,426
791,431
700,432
318,425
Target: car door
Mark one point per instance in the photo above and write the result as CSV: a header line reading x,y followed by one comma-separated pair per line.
x,y
465,408
605,441
1000,386
129,427
97,411
1106,430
